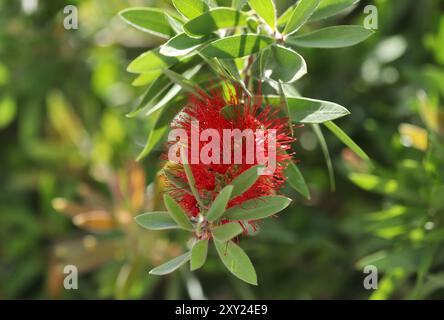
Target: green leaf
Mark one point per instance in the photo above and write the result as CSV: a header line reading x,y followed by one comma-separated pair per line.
x,y
8,111
296,180
171,265
155,90
328,8
190,8
382,185
285,107
183,82
324,147
182,44
283,19
258,208
307,110
148,20
162,123
151,61
190,177
338,132
215,19
146,78
156,221
236,261
301,13
266,10
175,23
177,213
154,98
237,46
199,254
245,180
227,231
283,64
331,37
238,4
219,205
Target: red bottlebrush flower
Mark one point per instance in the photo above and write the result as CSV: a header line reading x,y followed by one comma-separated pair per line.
x,y
208,111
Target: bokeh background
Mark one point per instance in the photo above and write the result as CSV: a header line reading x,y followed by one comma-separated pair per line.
x,y
69,185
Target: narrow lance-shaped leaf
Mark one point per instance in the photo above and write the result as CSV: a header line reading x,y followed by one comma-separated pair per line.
x,y
338,132
285,107
236,261
318,132
172,93
186,84
171,265
199,254
182,44
163,119
156,221
217,209
148,20
301,13
190,8
237,46
146,78
227,231
266,10
258,208
296,180
215,19
307,110
155,90
151,61
328,8
331,37
245,180
190,177
177,213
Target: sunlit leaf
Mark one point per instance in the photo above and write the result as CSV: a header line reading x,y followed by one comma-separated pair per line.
x,y
151,61
301,13
190,8
182,44
237,46
283,64
328,8
307,110
331,37
215,19
338,132
150,20
266,10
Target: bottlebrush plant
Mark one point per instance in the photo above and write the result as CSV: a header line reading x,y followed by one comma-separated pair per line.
x,y
229,68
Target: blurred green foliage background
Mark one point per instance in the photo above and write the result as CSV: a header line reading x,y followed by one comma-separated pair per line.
x,y
70,186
